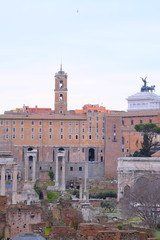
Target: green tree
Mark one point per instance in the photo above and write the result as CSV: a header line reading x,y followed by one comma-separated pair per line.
x,y
108,204
150,130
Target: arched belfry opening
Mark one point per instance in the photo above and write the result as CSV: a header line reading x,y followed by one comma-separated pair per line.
x,y
91,156
61,84
61,97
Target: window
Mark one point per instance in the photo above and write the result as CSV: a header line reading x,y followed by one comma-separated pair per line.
x,y
97,125
61,112
114,125
76,136
95,111
83,123
90,125
82,149
40,136
40,129
127,150
89,110
141,121
96,130
14,136
13,122
61,130
70,130
50,136
97,137
114,139
76,130
7,122
40,122
50,129
123,140
22,136
132,122
122,149
76,123
150,120
90,136
103,119
90,119
83,130
101,158
83,137
6,129
61,136
70,137
103,125
127,141
102,136
1,122
80,169
32,122
97,118
50,123
32,130
90,130
22,122
32,136
61,123
70,123
6,136
122,122
13,129
71,168
102,130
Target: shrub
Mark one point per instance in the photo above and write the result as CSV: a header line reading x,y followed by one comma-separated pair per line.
x,y
51,175
119,226
38,191
103,195
108,204
52,196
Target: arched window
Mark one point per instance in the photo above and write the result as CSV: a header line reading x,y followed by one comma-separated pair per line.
x,y
122,140
91,155
61,97
61,84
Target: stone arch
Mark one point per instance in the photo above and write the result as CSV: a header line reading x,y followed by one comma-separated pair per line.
x,y
91,155
30,149
61,149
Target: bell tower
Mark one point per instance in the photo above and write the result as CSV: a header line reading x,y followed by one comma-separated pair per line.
x,y
60,92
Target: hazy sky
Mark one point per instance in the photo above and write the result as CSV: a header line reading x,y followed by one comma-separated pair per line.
x,y
105,47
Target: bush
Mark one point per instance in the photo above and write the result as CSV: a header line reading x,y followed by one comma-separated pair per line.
x,y
52,196
119,226
38,191
51,175
108,204
103,195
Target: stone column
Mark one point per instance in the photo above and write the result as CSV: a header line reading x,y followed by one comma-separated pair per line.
x,y
3,180
56,182
34,169
63,174
80,192
26,168
14,185
85,179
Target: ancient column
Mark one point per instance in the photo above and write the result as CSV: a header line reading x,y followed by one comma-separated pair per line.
x,y
26,168
34,169
14,185
80,192
63,174
85,179
3,180
56,182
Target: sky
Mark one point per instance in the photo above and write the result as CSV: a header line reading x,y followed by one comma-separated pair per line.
x,y
105,46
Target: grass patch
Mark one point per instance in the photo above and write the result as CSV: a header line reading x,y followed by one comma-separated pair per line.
x,y
47,230
46,184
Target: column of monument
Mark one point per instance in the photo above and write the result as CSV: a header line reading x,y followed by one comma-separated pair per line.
x,y
26,168
2,180
14,185
85,180
63,174
56,182
34,169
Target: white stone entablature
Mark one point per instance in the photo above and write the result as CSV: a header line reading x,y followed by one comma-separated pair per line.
x,y
131,168
143,101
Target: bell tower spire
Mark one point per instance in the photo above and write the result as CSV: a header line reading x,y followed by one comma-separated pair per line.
x,y
60,92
